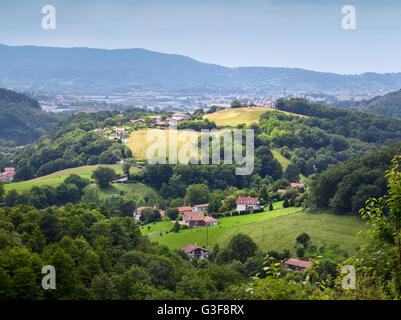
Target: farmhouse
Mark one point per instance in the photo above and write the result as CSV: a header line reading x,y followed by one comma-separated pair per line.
x,y
138,212
120,131
194,219
184,209
297,185
198,219
8,174
137,121
200,207
155,119
180,116
193,251
247,203
295,264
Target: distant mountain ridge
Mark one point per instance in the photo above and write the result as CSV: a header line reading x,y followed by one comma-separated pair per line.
x,y
86,69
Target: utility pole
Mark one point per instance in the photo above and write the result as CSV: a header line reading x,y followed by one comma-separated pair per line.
x,y
207,236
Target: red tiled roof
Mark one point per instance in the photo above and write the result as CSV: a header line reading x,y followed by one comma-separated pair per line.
x,y
191,247
281,190
141,208
210,219
247,200
299,263
297,185
186,216
184,209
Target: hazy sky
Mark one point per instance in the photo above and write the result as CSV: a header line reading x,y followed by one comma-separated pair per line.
x,y
277,33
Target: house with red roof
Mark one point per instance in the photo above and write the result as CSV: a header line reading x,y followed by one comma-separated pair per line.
x,y
297,185
8,174
193,251
184,209
296,264
198,219
247,203
138,212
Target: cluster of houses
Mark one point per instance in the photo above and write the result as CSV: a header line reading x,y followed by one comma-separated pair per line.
x,y
119,133
7,175
175,118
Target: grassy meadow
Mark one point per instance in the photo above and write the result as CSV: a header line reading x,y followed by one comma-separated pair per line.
x,y
59,176
276,230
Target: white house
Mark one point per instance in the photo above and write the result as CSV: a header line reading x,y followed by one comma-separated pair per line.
x,y
120,131
193,251
247,203
138,213
200,207
180,116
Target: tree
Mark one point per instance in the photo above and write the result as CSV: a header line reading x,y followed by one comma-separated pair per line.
x,y
103,176
271,206
264,195
303,239
176,227
236,104
126,168
172,213
197,194
286,204
1,190
214,205
240,247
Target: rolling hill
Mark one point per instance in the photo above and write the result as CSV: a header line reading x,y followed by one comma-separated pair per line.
x,y
104,71
388,105
22,120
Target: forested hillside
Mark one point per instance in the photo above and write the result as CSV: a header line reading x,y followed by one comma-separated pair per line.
x,y
345,187
22,121
72,143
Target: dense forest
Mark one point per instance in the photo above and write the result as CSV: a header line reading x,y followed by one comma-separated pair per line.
x,y
22,120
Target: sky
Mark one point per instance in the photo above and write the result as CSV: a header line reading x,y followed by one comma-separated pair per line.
x,y
304,34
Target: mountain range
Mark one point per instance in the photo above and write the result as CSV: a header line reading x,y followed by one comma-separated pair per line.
x,y
89,70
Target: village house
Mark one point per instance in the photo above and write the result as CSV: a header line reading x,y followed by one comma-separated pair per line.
x,y
138,212
8,174
180,116
155,119
193,251
200,207
247,203
184,209
296,264
137,121
163,124
297,185
198,219
120,131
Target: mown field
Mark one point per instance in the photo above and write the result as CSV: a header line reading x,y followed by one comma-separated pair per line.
x,y
59,176
276,230
233,117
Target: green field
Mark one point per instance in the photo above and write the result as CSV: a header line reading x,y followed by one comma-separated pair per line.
x,y
275,230
156,227
116,188
59,176
280,158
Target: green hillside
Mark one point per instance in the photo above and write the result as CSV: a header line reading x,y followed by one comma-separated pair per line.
x,y
58,177
22,120
275,230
